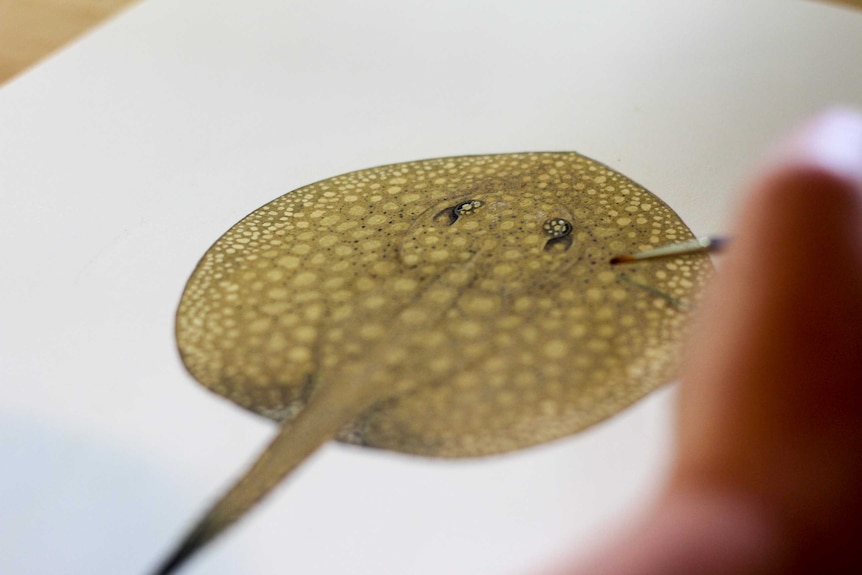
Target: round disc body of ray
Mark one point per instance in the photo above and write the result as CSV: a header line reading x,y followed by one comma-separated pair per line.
x,y
469,301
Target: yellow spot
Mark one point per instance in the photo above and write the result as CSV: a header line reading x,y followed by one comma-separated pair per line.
x,y
438,255
404,284
383,267
548,407
374,301
339,314
305,334
480,305
334,283
503,270
604,313
606,276
593,294
458,241
506,398
305,279
469,329
605,331
618,294
278,293
328,241
342,295
371,331
365,284
441,295
441,363
276,309
555,349
598,345
259,325
346,225
299,354
313,312
466,379
394,355
277,342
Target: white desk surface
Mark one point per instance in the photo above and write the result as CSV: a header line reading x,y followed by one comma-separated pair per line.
x,y
123,157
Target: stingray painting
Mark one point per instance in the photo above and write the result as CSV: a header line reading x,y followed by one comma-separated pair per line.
x,y
452,307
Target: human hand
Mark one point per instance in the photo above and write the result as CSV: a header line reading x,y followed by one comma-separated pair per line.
x,y
768,470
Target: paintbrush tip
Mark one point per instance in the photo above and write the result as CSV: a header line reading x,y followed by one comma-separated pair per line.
x,y
623,259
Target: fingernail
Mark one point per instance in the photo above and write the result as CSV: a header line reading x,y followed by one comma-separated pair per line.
x,y
833,141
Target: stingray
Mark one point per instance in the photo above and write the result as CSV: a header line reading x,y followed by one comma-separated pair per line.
x,y
453,307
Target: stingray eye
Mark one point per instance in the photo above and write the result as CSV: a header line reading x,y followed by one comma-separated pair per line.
x,y
560,234
557,228
452,214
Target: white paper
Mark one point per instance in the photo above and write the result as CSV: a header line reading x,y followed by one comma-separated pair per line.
x,y
125,156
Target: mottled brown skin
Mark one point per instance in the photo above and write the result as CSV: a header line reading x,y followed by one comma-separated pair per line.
x,y
452,307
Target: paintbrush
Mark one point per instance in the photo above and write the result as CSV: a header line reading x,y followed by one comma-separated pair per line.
x,y
697,245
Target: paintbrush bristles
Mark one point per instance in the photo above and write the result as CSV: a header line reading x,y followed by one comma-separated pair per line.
x,y
697,245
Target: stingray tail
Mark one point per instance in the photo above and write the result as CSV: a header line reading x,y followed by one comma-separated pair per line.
x,y
321,419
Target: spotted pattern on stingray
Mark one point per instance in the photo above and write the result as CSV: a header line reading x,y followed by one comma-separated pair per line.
x,y
472,297
451,307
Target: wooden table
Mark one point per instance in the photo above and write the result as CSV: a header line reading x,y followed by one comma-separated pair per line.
x,y
32,29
